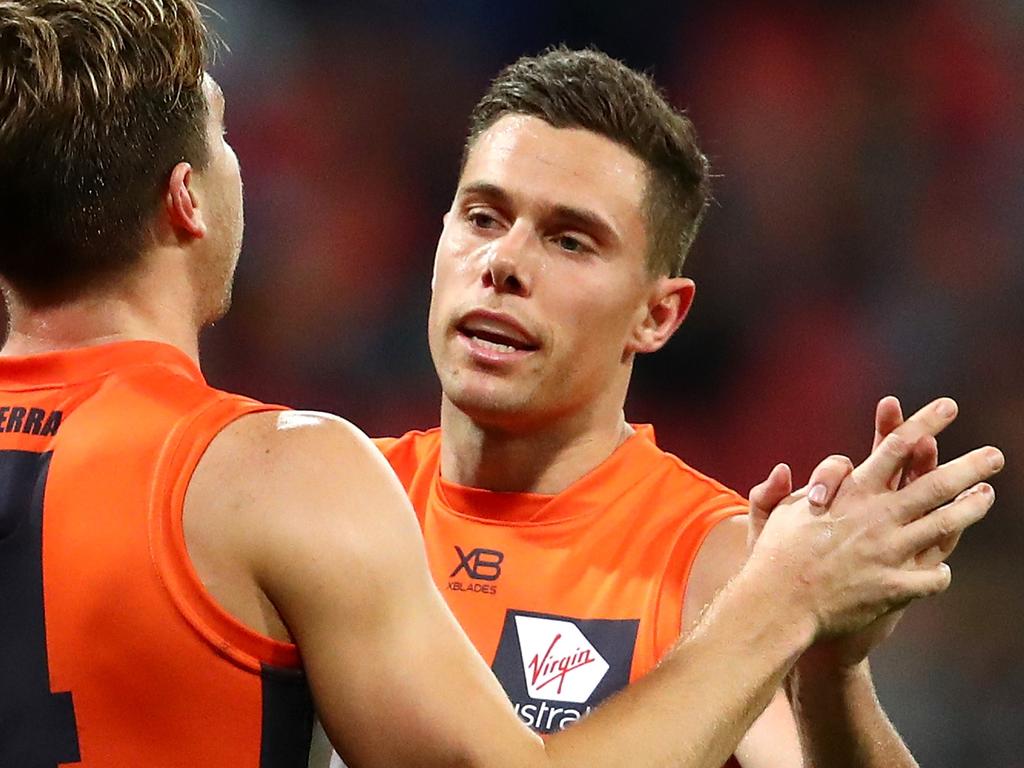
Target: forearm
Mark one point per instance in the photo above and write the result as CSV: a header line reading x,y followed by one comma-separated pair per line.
x,y
692,711
840,720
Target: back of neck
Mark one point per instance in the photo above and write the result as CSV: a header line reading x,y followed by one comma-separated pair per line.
x,y
97,319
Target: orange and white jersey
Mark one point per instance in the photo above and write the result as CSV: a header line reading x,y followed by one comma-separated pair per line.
x,y
573,596
112,654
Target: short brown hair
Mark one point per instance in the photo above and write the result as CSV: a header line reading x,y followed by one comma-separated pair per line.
x,y
588,89
99,100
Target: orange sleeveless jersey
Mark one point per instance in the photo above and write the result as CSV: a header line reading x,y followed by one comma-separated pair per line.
x,y
568,597
112,655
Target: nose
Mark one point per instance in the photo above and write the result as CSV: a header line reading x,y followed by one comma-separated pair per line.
x,y
506,270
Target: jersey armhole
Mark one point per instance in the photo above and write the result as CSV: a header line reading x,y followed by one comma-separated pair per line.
x,y
668,615
178,461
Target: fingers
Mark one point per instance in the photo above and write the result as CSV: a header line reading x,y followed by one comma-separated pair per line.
x,y
825,481
942,528
944,483
924,457
766,495
888,416
895,450
924,582
936,553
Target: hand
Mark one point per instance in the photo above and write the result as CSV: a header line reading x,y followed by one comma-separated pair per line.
x,y
888,417
773,490
850,650
826,478
849,564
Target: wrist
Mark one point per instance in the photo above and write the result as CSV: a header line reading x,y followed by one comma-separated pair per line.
x,y
772,612
828,659
818,673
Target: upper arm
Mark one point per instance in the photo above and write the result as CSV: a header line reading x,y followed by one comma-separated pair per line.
x,y
772,741
334,546
720,557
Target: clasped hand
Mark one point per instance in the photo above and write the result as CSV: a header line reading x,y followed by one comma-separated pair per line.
x,y
857,544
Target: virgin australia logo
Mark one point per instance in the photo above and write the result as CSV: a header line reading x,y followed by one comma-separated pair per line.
x,y
559,663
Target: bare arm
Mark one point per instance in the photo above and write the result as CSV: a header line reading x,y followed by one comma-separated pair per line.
x,y
838,719
772,740
311,521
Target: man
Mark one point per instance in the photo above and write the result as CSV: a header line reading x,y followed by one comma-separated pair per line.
x,y
572,550
181,567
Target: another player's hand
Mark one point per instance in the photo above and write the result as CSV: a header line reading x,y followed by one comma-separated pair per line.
x,y
850,650
826,478
856,561
778,486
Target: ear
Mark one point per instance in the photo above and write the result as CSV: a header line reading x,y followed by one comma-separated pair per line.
x,y
669,301
182,205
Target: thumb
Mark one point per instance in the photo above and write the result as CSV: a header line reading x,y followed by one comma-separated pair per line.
x,y
765,496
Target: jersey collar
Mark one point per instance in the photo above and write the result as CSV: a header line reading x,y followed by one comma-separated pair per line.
x,y
80,364
627,465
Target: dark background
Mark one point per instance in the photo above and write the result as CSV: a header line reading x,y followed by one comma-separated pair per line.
x,y
866,240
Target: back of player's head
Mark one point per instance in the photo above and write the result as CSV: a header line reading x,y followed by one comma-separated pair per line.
x,y
99,100
588,89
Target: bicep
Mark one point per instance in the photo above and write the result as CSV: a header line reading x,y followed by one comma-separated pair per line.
x,y
720,557
395,680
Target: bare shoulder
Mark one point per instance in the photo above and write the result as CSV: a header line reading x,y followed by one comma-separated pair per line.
x,y
720,557
277,489
280,469
278,440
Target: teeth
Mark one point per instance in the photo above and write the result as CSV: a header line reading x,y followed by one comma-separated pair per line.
x,y
494,345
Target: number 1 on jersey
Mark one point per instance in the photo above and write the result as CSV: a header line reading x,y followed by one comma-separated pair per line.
x,y
37,726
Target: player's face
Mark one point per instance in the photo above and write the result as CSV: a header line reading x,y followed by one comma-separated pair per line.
x,y
540,277
222,195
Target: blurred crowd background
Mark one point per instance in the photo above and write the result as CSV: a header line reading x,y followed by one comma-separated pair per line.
x,y
866,239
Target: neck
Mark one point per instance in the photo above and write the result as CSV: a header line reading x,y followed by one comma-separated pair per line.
x,y
546,460
151,308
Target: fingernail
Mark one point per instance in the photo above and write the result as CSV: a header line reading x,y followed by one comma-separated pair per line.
x,y
947,409
818,494
995,458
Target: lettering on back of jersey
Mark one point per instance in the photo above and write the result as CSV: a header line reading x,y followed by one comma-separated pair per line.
x,y
555,669
29,421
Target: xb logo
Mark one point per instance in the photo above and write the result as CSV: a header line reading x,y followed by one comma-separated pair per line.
x,y
480,564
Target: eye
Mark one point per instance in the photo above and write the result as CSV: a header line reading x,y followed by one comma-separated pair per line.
x,y
481,219
571,244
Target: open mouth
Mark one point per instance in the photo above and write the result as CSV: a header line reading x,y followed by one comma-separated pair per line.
x,y
495,334
499,342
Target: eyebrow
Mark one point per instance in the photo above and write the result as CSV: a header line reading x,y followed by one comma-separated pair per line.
x,y
576,217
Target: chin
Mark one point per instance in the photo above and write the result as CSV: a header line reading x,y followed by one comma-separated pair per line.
x,y
495,407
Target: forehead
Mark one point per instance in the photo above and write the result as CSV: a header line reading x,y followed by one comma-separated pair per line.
x,y
531,159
